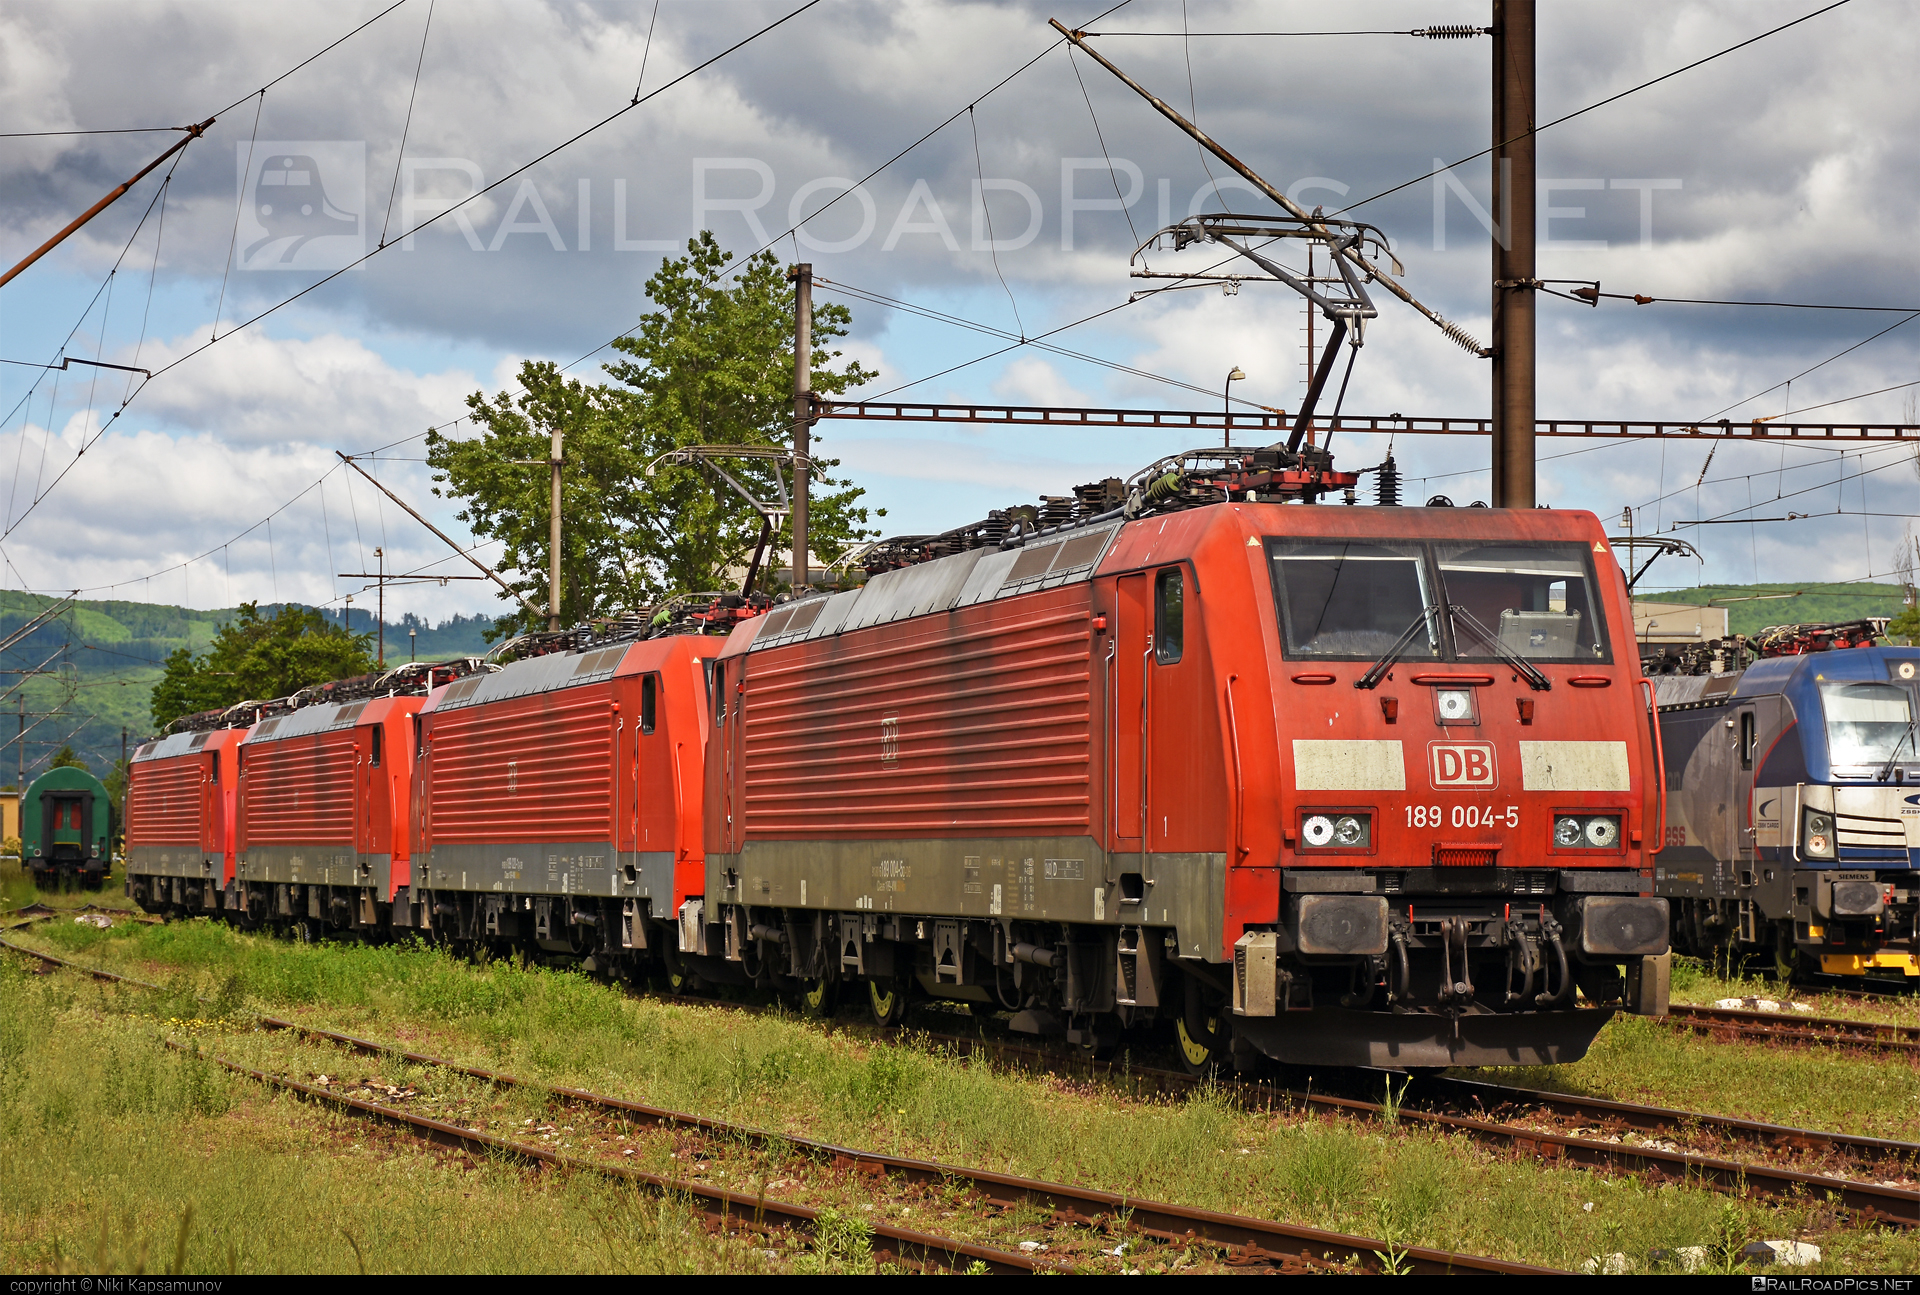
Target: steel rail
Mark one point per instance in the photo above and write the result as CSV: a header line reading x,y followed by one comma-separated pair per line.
x,y
1742,1023
1895,1205
1664,1119
1247,1239
1404,425
903,1245
1244,1236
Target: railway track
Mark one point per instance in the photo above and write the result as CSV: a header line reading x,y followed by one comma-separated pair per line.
x,y
1246,1241
1588,1132
1776,1027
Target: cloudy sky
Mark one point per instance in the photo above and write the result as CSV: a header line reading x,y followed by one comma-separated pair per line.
x,y
1783,172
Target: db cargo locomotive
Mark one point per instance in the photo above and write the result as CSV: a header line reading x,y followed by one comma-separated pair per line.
x,y
1350,786
294,810
1333,785
1790,833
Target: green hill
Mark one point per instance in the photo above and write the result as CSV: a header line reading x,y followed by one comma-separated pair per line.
x,y
102,659
1806,603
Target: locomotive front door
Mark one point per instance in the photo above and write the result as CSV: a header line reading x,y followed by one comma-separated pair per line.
x,y
1128,661
1746,744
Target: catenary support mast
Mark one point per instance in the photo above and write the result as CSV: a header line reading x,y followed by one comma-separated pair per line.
x,y
802,276
1513,268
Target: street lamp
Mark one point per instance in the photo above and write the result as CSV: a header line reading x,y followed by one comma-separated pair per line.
x,y
413,643
1226,405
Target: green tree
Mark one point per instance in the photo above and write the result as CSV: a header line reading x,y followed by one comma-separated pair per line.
x,y
257,657
66,759
712,364
1905,627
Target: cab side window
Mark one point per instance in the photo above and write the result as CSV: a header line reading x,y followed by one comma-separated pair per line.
x,y
649,701
1169,615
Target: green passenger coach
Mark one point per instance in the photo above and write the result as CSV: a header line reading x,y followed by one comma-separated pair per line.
x,y
64,829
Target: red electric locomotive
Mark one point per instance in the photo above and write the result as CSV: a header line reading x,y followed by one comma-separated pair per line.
x,y
557,799
180,815
1337,786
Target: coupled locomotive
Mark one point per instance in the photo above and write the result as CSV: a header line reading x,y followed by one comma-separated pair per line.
x,y
1349,786
1791,836
1336,786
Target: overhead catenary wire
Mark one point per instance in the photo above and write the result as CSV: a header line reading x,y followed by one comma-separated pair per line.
x,y
328,278
1601,103
406,128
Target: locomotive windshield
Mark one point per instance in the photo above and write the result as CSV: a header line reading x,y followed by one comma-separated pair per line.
x,y
1341,598
1866,722
1535,600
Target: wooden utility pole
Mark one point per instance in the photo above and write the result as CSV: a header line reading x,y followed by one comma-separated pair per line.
x,y
802,276
1513,268
553,540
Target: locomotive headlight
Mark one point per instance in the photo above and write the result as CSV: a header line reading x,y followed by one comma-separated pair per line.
x,y
1603,832
1817,839
1567,831
1454,704
1336,831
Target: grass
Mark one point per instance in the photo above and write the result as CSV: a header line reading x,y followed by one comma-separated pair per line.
x,y
1406,1185
121,1157
1702,983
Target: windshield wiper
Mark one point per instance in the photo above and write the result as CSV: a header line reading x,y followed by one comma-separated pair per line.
x,y
1535,680
1372,678
1886,770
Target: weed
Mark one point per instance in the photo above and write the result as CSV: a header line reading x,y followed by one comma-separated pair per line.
x,y
841,1244
1728,1239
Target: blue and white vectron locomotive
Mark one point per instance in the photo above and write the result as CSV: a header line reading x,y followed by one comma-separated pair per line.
x,y
1793,812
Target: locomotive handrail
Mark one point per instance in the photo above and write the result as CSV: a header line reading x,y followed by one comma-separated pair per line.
x,y
1660,764
1460,680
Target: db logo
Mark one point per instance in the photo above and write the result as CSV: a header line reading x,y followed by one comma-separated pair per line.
x,y
1462,764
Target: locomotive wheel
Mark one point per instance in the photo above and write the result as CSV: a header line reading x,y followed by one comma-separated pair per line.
x,y
889,1005
1196,1056
819,998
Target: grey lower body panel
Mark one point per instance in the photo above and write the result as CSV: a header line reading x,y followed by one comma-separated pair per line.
x,y
174,861
1337,1037
316,865
1051,879
548,868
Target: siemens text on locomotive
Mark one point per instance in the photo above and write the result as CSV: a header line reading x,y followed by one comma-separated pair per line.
x,y
1331,785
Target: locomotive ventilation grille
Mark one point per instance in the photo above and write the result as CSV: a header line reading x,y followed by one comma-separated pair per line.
x,y
1870,833
1465,856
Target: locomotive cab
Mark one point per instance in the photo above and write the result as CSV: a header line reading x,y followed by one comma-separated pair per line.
x,y
1462,757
